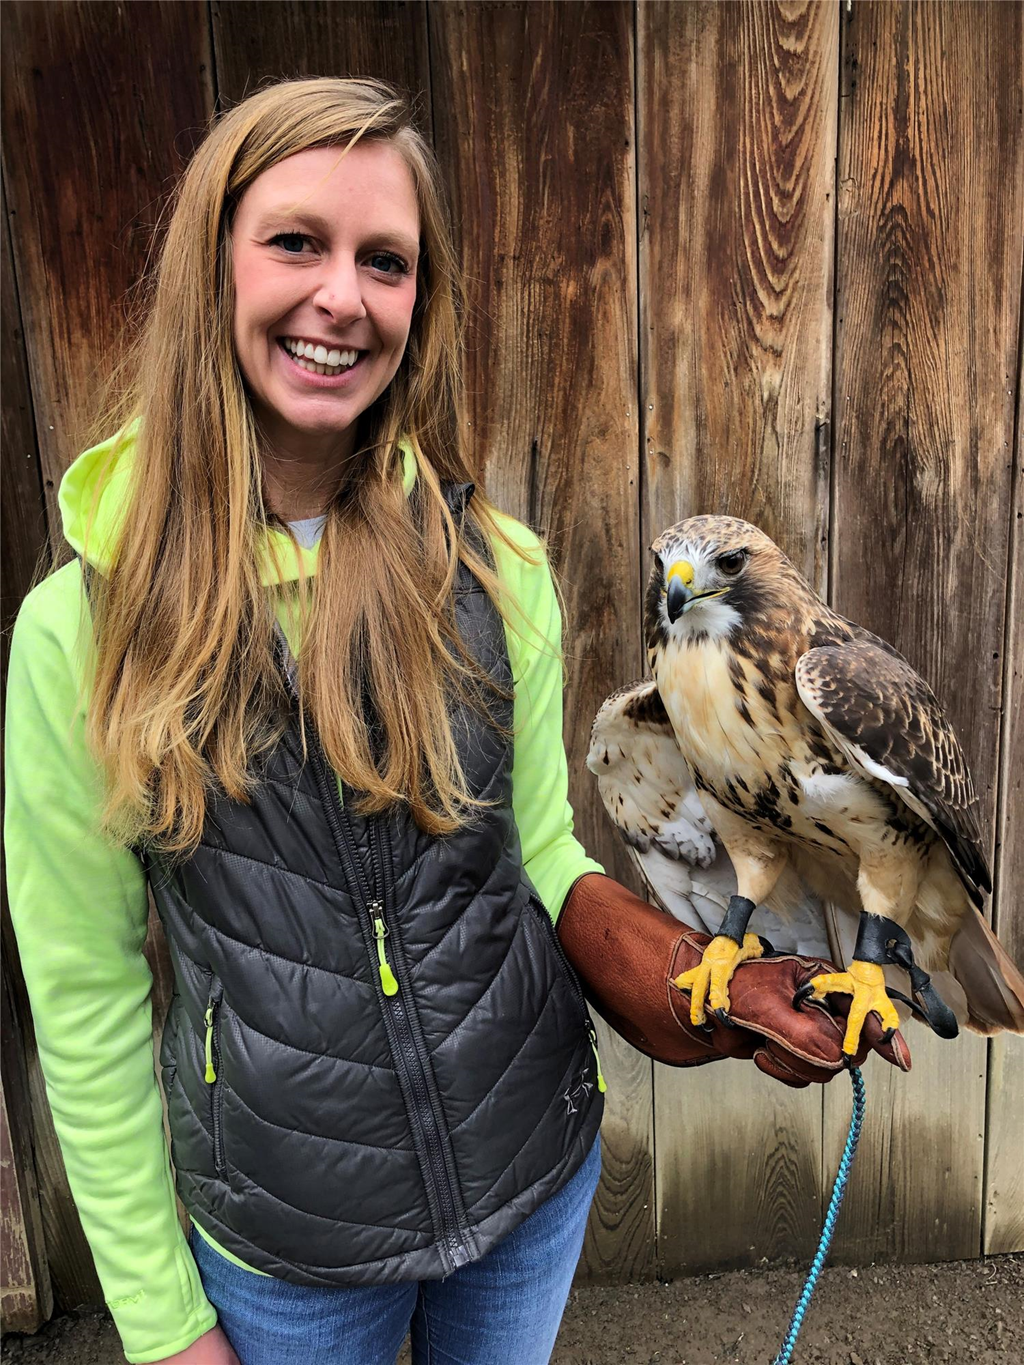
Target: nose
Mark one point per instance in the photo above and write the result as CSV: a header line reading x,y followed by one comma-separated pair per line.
x,y
339,290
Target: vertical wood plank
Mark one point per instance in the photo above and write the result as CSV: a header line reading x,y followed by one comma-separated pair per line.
x,y
26,1295
737,145
929,263
541,177
25,1275
101,106
1004,1129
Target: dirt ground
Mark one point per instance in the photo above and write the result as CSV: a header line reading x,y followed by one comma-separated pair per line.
x,y
965,1311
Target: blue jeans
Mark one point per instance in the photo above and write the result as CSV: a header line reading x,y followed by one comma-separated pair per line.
x,y
504,1309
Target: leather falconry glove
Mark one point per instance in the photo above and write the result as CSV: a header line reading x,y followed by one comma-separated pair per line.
x,y
627,953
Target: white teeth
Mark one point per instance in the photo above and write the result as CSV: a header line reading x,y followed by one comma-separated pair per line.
x,y
318,359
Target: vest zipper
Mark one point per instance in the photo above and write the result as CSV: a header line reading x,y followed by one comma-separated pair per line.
x,y
406,1048
210,1074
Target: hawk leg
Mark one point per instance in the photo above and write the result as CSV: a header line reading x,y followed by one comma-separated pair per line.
x,y
882,941
709,980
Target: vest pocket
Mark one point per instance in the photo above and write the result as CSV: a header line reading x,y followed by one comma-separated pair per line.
x,y
564,965
211,1073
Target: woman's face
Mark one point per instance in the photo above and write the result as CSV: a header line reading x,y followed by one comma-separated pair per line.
x,y
324,255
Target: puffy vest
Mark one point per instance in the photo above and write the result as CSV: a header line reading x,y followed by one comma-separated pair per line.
x,y
377,1058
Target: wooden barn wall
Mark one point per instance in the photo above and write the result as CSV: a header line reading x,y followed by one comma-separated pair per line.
x,y
757,258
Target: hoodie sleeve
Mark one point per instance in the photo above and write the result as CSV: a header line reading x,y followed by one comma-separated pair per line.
x,y
552,855
79,909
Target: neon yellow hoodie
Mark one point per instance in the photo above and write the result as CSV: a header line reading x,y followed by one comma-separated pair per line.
x,y
79,906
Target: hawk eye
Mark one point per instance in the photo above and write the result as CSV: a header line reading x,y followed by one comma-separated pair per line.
x,y
730,564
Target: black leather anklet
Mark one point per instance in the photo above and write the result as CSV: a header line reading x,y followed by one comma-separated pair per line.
x,y
737,917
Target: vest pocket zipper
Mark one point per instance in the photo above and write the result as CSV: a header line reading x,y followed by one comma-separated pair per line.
x,y
566,967
573,982
601,1083
211,1072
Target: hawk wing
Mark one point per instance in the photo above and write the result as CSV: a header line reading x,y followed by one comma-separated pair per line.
x,y
648,791
889,725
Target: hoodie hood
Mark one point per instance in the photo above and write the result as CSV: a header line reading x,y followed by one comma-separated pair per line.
x,y
98,484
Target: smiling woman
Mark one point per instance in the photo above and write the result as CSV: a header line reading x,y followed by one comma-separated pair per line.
x,y
319,715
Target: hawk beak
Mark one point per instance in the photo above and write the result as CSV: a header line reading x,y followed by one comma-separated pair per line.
x,y
679,589
679,593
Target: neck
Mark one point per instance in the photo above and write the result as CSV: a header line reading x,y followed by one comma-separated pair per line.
x,y
302,472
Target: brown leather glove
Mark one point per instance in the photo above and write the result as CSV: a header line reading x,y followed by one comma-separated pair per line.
x,y
627,953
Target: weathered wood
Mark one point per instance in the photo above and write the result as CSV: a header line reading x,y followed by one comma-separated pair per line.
x,y
27,1293
1004,1127
22,517
928,290
540,172
103,110
26,1296
256,42
737,144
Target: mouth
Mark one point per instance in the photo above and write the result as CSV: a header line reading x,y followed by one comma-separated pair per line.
x,y
680,599
703,596
324,368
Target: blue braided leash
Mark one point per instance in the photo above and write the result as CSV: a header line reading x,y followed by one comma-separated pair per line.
x,y
828,1228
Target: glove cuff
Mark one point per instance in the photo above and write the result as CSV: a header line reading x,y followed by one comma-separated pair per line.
x,y
626,952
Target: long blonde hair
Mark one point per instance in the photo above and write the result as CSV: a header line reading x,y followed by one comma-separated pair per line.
x,y
185,691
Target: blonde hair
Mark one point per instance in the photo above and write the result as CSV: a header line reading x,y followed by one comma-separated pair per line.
x,y
185,690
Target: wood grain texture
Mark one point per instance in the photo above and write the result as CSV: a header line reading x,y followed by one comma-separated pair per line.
x,y
928,288
1004,1126
533,112
103,103
24,1271
26,1295
737,144
257,42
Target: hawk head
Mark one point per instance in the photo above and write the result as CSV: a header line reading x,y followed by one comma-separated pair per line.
x,y
713,575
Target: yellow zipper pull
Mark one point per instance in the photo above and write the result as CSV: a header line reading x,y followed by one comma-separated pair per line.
x,y
387,976
211,1075
600,1079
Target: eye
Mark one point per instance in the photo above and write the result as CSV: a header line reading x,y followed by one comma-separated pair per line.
x,y
391,258
288,237
730,564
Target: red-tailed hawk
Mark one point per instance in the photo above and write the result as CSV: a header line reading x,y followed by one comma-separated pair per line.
x,y
787,773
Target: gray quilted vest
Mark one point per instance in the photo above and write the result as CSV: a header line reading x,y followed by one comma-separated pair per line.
x,y
377,1059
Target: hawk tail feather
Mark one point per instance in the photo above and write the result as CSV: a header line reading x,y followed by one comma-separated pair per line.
x,y
993,985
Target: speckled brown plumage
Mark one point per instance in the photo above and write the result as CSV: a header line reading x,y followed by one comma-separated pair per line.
x,y
874,700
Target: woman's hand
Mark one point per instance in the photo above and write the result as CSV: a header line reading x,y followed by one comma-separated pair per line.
x,y
628,953
212,1348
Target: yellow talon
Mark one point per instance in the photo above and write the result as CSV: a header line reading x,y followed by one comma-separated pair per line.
x,y
712,974
865,981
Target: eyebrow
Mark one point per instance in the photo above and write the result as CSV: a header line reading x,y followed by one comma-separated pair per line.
x,y
276,215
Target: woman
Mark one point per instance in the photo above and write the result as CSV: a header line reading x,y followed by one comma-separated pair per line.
x,y
303,681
